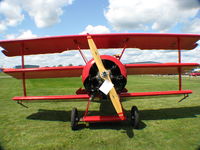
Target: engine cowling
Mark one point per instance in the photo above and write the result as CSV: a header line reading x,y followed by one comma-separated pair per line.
x,y
91,78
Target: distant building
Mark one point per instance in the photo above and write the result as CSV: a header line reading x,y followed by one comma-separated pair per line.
x,y
27,66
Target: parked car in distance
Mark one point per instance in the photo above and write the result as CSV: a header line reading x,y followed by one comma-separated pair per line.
x,y
194,73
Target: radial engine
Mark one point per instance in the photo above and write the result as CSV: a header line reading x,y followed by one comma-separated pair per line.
x,y
91,77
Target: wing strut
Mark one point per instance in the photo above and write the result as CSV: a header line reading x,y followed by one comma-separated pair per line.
x,y
23,76
179,61
124,48
23,66
79,49
105,75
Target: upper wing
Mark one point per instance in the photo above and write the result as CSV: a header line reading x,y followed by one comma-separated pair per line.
x,y
58,44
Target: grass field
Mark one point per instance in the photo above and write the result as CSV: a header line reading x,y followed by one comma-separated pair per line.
x,y
166,124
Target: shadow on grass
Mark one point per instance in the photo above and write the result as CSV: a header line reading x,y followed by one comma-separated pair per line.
x,y
1,148
170,113
53,115
157,114
106,108
198,148
125,126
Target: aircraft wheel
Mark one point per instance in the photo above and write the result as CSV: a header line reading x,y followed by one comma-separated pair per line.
x,y
74,119
134,117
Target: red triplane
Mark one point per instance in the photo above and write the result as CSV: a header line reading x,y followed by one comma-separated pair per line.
x,y
103,76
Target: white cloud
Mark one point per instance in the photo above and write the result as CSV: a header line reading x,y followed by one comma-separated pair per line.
x,y
193,26
44,12
70,57
192,56
159,15
135,55
27,34
2,27
66,58
11,14
95,29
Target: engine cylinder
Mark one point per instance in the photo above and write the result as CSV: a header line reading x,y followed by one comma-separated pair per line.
x,y
91,76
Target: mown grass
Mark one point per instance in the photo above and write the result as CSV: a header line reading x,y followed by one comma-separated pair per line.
x,y
165,124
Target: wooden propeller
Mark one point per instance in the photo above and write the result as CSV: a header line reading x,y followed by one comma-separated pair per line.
x,y
106,76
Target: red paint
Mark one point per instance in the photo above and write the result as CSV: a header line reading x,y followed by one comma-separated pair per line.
x,y
138,94
179,61
46,72
76,71
23,73
53,97
161,65
58,44
195,74
86,69
161,68
102,118
81,91
85,96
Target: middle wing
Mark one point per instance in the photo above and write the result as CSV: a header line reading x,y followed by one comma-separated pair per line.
x,y
45,72
76,71
160,68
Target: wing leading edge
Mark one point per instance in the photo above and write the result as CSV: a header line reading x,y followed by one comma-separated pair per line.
x,y
58,44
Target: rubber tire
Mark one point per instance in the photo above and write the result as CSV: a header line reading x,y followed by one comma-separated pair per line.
x,y
135,117
74,119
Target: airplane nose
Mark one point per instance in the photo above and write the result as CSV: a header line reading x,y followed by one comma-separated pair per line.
x,y
93,80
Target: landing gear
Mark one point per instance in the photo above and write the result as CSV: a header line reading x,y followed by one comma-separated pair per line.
x,y
74,119
135,117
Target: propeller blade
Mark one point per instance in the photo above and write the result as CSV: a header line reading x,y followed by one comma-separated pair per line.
x,y
105,75
95,54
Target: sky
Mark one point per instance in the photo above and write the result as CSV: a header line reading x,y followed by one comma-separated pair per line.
x,y
21,19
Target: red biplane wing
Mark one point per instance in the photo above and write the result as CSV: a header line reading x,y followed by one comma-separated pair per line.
x,y
76,71
45,72
58,44
160,68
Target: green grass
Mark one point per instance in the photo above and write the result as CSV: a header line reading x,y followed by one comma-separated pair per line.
x,y
166,124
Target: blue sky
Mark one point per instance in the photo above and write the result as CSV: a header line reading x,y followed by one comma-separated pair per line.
x,y
29,19
74,19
